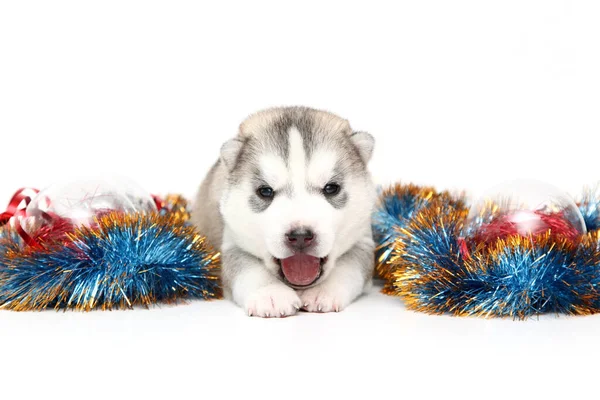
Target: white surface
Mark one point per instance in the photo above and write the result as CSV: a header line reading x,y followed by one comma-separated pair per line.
x,y
459,94
373,349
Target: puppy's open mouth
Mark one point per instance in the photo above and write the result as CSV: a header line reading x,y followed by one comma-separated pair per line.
x,y
301,269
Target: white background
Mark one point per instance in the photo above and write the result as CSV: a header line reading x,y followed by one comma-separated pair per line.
x,y
459,94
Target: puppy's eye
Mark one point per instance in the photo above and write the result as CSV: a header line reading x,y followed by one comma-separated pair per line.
x,y
265,192
331,189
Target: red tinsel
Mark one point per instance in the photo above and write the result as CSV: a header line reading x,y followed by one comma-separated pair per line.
x,y
505,225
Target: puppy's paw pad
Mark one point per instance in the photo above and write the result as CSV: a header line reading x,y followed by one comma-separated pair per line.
x,y
325,298
273,301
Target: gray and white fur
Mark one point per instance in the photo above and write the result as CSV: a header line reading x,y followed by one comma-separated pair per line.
x,y
296,152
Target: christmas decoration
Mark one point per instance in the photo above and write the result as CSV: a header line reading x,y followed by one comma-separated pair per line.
x,y
504,256
100,244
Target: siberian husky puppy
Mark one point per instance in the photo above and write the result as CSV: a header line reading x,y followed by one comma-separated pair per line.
x,y
289,206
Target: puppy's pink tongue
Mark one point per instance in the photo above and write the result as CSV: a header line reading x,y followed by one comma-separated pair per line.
x,y
301,269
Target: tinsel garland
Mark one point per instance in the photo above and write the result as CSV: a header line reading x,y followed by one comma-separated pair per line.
x,y
123,261
423,260
398,205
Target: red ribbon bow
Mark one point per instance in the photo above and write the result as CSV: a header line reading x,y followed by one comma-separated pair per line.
x,y
16,208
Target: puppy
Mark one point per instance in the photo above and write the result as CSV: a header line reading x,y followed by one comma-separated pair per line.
x,y
289,206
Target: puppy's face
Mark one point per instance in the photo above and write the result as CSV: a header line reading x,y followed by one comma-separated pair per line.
x,y
299,194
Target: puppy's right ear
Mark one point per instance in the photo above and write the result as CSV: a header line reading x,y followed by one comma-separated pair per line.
x,y
230,152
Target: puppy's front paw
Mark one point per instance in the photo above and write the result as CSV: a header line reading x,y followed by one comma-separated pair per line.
x,y
274,300
326,297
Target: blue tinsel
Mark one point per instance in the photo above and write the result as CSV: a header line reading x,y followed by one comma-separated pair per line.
x,y
144,260
515,278
590,210
395,209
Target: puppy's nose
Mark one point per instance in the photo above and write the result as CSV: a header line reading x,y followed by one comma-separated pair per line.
x,y
300,239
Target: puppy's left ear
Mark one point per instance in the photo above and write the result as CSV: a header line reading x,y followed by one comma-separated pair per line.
x,y
364,142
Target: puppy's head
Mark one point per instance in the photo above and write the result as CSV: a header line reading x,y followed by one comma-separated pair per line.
x,y
298,193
